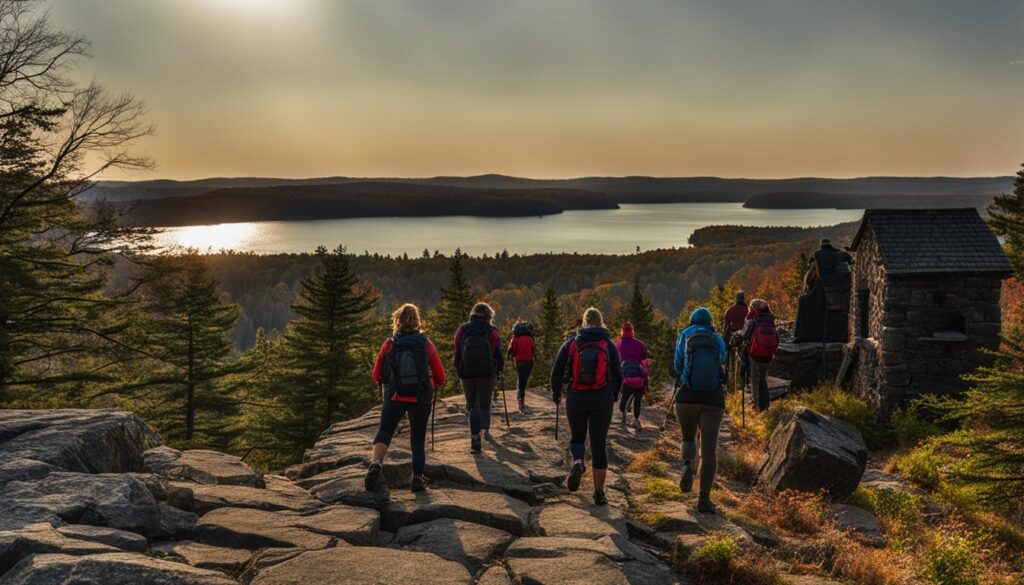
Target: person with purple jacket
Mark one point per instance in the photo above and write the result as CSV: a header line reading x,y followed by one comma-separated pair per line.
x,y
633,354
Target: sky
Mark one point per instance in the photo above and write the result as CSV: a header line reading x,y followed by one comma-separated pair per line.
x,y
565,88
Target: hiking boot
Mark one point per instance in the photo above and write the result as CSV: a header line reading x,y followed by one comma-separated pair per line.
x,y
522,407
686,479
600,499
474,444
372,480
705,505
622,421
637,425
575,475
419,482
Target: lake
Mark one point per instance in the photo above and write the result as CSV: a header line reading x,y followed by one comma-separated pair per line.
x,y
607,231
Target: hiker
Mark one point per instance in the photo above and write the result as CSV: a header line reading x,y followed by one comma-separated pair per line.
x,y
523,351
588,364
733,323
409,370
826,290
478,362
760,341
635,377
700,358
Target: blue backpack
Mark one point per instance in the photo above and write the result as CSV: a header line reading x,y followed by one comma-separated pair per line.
x,y
702,362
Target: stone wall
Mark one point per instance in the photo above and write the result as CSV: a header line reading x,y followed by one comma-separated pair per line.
x,y
801,363
901,356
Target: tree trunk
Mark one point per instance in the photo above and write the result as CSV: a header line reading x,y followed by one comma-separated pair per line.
x,y
190,388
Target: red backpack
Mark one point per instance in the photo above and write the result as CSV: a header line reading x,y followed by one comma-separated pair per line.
x,y
764,339
589,364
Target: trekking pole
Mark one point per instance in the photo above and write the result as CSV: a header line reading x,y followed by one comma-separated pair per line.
x,y
433,407
504,401
558,416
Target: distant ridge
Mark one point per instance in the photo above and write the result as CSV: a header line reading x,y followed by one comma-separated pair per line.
x,y
632,189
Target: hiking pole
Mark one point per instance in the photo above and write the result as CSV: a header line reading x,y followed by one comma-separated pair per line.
x,y
504,401
558,416
433,407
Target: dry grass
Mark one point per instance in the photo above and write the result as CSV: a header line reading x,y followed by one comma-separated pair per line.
x,y
740,461
787,512
868,566
721,560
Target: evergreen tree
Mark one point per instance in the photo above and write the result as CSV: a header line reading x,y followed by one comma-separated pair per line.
x,y
187,334
324,353
57,325
452,310
640,312
550,332
254,431
1006,216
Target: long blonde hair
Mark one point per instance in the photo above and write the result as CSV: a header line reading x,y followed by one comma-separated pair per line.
x,y
593,318
405,319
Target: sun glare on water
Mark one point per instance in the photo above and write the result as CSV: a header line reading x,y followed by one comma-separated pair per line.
x,y
210,238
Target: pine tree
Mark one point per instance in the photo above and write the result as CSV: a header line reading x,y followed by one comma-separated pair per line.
x,y
640,312
254,430
452,310
1006,216
187,335
324,352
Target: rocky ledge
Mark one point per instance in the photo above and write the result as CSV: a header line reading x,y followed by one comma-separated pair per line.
x,y
94,496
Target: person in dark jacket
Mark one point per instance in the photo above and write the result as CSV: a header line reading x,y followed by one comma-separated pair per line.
x,y
588,363
733,321
479,362
417,404
759,311
523,351
700,407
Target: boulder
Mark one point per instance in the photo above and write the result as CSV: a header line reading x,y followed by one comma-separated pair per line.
x,y
860,522
496,575
468,544
113,500
255,529
121,539
24,470
108,569
88,441
201,466
580,567
175,523
358,565
15,545
205,556
345,486
488,508
810,452
541,560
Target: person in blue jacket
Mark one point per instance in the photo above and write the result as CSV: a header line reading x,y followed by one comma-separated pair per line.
x,y
700,360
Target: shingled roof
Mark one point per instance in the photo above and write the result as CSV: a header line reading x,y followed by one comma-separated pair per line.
x,y
934,241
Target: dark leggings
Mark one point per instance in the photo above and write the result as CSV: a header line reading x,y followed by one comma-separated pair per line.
x,y
419,414
523,370
638,399
479,392
593,410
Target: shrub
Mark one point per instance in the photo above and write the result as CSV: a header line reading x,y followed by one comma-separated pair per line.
x,y
950,560
922,466
661,489
899,512
867,566
910,428
718,560
739,464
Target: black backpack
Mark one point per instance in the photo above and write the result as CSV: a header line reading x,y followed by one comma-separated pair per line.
x,y
477,352
703,362
523,328
407,371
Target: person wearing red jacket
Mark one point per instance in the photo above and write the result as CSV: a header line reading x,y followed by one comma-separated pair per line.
x,y
409,370
733,320
523,351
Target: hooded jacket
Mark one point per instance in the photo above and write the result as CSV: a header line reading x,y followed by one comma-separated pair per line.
x,y
734,316
559,369
630,348
700,320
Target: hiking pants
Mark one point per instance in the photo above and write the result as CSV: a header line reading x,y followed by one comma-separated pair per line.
x,y
523,370
479,393
759,383
708,419
590,410
419,414
638,399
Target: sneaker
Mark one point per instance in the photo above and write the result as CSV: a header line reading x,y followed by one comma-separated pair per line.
x,y
419,482
474,444
522,407
372,480
600,499
705,505
575,475
686,479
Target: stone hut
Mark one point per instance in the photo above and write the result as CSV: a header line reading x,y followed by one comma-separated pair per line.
x,y
924,302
